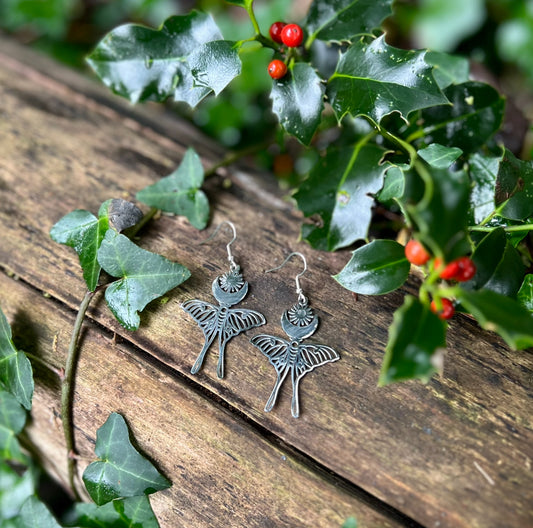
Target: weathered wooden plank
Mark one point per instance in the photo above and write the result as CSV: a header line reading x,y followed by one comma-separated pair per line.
x,y
223,472
418,448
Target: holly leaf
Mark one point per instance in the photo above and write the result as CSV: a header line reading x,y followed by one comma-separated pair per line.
x,y
16,374
375,268
483,174
143,276
515,186
12,421
121,471
119,513
297,100
448,69
83,232
338,20
440,156
499,266
525,294
417,340
475,114
180,192
393,185
143,64
441,215
215,64
339,190
377,79
500,314
15,489
34,513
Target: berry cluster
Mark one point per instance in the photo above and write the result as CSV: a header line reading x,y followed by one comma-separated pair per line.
x,y
292,36
461,269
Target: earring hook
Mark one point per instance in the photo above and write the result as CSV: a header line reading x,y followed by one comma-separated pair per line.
x,y
299,291
233,265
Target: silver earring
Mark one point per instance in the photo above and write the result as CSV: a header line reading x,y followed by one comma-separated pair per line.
x,y
298,322
223,321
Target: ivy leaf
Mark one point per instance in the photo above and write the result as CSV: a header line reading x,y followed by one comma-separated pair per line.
x,y
440,156
375,268
483,174
15,489
16,374
338,190
121,471
83,232
12,421
417,339
515,185
180,192
144,276
338,20
525,294
448,69
34,513
119,513
297,100
499,266
393,185
143,64
377,79
500,314
215,64
475,114
441,215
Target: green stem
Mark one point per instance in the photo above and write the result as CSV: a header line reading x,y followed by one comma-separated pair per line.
x,y
405,145
67,392
250,10
232,157
132,231
508,229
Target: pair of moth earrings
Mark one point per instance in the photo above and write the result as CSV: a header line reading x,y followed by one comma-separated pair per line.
x,y
225,322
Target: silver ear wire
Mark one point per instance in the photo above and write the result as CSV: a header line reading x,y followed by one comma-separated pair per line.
x,y
301,297
233,265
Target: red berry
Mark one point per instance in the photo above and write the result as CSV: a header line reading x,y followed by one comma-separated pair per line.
x,y
416,253
447,310
277,69
292,35
275,31
466,269
449,270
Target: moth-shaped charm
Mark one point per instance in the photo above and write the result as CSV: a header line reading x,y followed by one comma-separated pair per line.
x,y
223,321
293,356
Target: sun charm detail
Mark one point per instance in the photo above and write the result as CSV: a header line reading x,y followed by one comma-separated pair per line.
x,y
300,314
231,281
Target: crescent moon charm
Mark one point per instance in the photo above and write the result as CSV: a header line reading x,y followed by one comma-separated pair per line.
x,y
227,297
295,331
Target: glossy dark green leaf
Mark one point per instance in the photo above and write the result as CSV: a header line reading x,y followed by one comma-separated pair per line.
x,y
441,215
15,489
215,64
499,266
483,174
12,421
143,277
377,79
515,185
475,114
525,294
131,512
180,192
339,20
337,190
34,514
16,374
376,268
297,100
500,314
448,69
142,64
439,156
121,471
417,340
393,185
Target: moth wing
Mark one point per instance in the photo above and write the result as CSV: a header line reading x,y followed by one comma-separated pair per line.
x,y
239,320
204,313
275,349
311,356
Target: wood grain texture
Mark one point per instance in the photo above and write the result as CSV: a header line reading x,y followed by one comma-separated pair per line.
x,y
424,450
